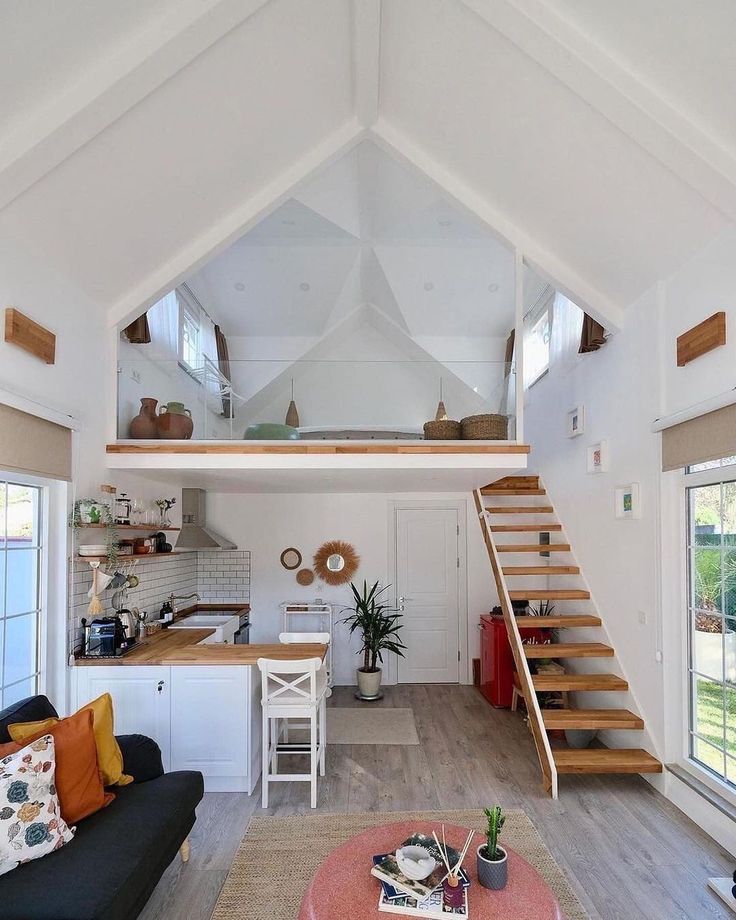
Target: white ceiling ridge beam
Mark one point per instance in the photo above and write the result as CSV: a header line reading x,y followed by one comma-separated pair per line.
x,y
234,225
669,135
67,122
366,31
551,267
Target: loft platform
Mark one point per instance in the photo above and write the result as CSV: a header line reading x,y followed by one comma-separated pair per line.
x,y
323,466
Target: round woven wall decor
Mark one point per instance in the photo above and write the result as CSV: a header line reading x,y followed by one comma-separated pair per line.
x,y
291,558
335,562
304,577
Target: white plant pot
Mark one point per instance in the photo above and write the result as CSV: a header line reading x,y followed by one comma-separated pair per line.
x,y
369,683
708,654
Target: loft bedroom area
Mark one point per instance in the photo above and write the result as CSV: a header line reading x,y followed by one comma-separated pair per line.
x,y
366,307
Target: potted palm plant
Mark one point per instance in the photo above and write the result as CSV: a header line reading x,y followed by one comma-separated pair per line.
x,y
379,627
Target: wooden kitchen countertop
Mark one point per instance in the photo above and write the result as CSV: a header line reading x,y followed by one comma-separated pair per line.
x,y
179,646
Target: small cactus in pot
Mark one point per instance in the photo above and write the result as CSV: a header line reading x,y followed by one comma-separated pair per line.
x,y
492,859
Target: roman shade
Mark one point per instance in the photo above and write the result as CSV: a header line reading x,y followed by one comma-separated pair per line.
x,y
707,437
29,444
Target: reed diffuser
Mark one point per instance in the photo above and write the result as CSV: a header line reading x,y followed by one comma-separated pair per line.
x,y
453,893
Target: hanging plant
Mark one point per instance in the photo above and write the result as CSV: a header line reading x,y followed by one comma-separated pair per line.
x,y
88,511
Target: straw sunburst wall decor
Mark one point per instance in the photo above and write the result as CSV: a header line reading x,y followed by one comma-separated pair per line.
x,y
335,562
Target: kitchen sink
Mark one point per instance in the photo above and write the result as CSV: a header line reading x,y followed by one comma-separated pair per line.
x,y
224,626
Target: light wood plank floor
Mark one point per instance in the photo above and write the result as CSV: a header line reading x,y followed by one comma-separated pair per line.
x,y
627,851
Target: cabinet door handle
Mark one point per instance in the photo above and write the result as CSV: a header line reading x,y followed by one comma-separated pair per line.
x,y
160,686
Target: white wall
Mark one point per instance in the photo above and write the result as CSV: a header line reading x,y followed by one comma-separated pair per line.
x,y
619,558
704,285
267,524
636,567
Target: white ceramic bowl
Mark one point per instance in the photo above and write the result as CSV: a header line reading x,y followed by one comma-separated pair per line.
x,y
415,862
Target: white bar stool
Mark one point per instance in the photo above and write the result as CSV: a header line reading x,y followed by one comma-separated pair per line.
x,y
292,690
323,638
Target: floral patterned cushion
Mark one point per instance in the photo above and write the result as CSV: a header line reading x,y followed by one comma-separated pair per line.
x,y
30,821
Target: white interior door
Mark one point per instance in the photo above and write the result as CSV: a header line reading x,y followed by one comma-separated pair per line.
x,y
427,568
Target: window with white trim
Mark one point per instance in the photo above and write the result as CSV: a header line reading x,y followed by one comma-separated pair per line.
x,y
711,617
189,336
536,347
21,594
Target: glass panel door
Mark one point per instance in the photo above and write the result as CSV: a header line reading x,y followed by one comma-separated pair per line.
x,y
20,590
712,626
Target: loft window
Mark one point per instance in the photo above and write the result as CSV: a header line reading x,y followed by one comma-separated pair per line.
x,y
536,348
189,333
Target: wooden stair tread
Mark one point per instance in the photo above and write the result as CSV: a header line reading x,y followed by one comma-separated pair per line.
x,y
591,719
528,528
569,650
551,594
541,570
605,760
548,682
488,491
534,548
521,509
571,620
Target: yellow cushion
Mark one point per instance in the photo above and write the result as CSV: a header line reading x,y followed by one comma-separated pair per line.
x,y
109,755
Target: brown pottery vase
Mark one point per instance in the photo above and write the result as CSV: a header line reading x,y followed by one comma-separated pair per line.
x,y
174,422
144,425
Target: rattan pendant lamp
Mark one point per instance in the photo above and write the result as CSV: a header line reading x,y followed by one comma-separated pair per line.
x,y
292,414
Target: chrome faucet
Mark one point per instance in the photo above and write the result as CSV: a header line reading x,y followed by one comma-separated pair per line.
x,y
173,598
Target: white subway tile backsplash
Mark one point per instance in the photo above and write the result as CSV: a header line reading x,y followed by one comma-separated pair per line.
x,y
218,577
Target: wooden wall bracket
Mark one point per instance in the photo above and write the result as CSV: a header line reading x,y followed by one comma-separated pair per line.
x,y
701,339
22,331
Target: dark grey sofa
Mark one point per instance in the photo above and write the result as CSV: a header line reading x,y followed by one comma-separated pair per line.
x,y
118,855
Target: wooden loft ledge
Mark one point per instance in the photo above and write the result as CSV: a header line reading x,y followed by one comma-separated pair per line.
x,y
317,447
323,466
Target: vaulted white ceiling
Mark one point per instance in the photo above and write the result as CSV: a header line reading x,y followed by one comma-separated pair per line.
x,y
142,139
366,230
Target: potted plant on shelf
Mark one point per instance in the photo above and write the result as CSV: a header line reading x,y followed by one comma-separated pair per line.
x,y
379,627
493,859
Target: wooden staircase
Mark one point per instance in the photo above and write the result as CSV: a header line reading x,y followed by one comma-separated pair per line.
x,y
553,760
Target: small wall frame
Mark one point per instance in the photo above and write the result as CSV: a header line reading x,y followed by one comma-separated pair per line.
x,y
627,504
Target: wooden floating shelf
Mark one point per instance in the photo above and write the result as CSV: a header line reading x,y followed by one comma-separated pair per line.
x,y
148,527
122,558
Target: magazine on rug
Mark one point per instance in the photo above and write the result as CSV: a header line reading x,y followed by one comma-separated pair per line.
x,y
432,907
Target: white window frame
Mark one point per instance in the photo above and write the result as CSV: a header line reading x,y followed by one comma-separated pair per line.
x,y
188,313
42,618
688,480
531,321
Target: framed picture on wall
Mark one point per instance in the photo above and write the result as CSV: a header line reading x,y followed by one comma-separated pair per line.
x,y
627,503
598,457
576,422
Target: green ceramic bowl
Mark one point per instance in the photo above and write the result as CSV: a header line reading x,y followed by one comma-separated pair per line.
x,y
271,431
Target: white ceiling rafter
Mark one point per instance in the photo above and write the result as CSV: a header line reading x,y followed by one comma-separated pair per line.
x,y
666,133
234,225
366,22
64,124
562,276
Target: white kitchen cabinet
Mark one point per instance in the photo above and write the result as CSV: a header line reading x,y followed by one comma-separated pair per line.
x,y
141,699
204,718
211,729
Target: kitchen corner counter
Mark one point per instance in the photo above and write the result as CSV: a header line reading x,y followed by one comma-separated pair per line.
x,y
180,646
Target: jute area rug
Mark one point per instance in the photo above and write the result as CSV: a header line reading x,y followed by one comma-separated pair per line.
x,y
258,887
350,725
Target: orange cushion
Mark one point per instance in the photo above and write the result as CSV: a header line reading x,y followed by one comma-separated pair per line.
x,y
109,755
78,778
9,747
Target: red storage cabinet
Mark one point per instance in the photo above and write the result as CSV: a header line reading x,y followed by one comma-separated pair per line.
x,y
497,659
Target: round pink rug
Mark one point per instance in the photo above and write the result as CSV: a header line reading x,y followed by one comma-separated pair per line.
x,y
343,887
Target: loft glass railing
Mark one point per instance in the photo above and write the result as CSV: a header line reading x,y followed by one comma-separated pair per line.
x,y
334,399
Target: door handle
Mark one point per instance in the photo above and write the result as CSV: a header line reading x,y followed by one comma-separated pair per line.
x,y
160,686
402,601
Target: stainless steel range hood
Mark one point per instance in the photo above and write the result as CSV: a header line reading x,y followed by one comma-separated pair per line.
x,y
195,534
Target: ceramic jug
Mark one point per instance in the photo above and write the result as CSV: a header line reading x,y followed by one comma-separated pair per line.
x,y
175,422
144,426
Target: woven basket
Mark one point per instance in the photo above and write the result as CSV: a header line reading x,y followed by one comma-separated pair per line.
x,y
485,428
444,430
